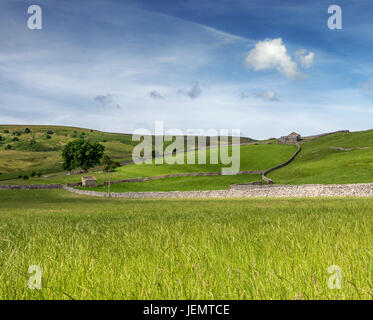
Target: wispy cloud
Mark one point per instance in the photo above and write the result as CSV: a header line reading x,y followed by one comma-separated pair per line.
x,y
195,91
155,95
268,95
107,101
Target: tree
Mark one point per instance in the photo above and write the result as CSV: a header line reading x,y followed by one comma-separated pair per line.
x,y
81,153
27,130
108,165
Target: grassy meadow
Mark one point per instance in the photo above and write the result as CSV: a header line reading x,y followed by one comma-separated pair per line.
x,y
92,248
252,157
320,161
26,149
181,184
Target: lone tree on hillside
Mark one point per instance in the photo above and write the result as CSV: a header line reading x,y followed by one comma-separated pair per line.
x,y
83,154
107,166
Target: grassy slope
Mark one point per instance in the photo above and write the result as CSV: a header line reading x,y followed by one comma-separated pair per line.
x,y
90,248
318,163
253,157
45,154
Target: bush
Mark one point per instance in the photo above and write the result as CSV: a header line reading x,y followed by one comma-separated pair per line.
x,y
32,142
27,130
1,138
25,177
8,147
39,174
16,133
15,139
48,137
50,132
6,131
19,177
33,174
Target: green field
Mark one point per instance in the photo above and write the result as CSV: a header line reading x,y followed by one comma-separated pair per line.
x,y
321,162
253,157
339,158
92,248
40,149
182,183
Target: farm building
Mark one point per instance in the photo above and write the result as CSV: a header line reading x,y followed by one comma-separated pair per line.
x,y
291,138
89,182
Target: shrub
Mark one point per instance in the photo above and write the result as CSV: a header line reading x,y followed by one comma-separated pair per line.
x,y
48,137
6,131
19,177
50,132
8,147
25,177
16,133
33,174
1,138
15,139
27,130
39,174
32,142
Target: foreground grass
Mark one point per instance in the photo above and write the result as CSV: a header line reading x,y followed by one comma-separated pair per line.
x,y
90,248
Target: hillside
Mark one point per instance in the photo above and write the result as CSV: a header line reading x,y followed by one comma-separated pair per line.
x,y
338,158
345,157
26,149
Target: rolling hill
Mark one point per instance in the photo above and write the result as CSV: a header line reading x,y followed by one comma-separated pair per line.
x,y
345,157
338,158
26,148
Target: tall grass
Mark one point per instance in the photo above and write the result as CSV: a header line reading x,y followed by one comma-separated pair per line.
x,y
91,248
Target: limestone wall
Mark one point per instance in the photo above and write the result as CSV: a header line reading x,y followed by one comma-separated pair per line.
x,y
194,174
250,191
30,187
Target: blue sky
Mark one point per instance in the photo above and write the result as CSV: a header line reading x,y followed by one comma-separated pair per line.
x,y
265,67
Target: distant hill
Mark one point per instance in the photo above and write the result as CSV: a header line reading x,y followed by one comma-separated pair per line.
x,y
345,157
28,148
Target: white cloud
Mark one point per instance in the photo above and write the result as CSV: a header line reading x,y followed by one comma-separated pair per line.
x,y
305,60
272,54
269,95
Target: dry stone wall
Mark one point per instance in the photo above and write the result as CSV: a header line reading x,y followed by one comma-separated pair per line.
x,y
250,191
194,174
30,187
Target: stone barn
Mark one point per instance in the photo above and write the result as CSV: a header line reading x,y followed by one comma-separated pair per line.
x,y
291,138
89,182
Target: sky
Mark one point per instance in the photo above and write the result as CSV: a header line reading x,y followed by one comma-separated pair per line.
x,y
265,67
